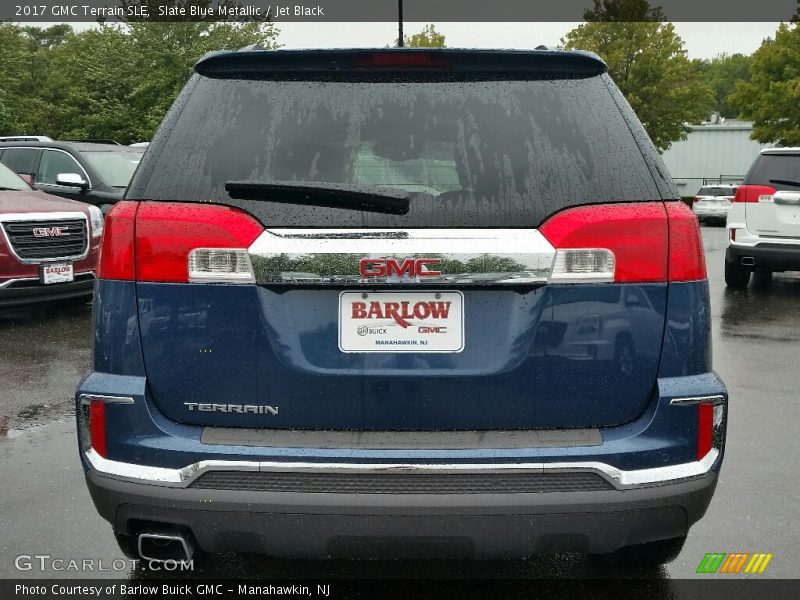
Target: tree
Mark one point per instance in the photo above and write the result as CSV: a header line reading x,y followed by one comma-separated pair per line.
x,y
427,38
721,74
647,60
771,98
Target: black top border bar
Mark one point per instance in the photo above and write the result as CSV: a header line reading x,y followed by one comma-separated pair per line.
x,y
333,11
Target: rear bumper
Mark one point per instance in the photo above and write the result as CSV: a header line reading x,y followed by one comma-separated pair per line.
x,y
30,292
711,212
765,257
324,525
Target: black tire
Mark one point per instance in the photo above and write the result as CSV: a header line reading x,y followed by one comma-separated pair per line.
x,y
625,356
736,276
762,279
127,545
644,556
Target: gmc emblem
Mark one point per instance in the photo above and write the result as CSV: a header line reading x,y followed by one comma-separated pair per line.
x,y
49,231
387,267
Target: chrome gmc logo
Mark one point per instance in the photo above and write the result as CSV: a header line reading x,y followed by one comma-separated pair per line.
x,y
49,231
387,267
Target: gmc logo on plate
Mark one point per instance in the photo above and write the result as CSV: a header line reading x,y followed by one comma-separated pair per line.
x,y
49,231
387,267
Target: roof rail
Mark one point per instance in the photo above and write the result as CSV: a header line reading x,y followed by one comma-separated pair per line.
x,y
25,138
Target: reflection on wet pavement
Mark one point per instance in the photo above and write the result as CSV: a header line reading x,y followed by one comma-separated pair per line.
x,y
43,353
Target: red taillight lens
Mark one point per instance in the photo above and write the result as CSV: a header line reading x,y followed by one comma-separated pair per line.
x,y
686,258
705,429
408,59
635,232
695,199
97,426
116,252
167,232
752,193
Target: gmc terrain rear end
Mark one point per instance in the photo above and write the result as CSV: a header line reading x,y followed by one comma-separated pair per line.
x,y
403,303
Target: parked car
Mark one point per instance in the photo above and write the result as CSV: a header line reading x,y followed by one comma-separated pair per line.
x,y
764,223
93,173
48,245
713,202
331,313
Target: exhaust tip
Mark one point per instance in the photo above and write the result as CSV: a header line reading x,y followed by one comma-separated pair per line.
x,y
161,547
748,261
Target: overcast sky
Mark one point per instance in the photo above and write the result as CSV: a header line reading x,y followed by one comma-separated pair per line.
x,y
703,40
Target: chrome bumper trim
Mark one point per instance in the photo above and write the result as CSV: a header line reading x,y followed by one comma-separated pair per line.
x,y
182,478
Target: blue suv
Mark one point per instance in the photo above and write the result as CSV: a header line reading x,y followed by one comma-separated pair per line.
x,y
402,303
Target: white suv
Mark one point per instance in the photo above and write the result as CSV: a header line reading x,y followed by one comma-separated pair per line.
x,y
713,202
764,221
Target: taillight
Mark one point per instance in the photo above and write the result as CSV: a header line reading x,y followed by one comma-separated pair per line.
x,y
116,251
182,242
636,242
97,427
686,257
754,193
696,199
609,242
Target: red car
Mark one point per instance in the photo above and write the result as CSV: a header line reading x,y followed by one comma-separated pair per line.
x,y
48,244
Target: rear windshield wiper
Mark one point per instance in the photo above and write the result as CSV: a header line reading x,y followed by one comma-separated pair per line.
x,y
786,182
331,195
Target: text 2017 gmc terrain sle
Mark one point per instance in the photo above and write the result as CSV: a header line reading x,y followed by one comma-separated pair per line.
x,y
402,303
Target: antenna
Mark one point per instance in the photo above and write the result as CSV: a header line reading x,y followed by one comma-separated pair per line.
x,y
399,23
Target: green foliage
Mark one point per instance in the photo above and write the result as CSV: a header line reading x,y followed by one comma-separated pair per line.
x,y
427,38
771,98
115,81
647,60
721,74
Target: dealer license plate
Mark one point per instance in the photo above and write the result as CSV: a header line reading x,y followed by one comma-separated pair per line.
x,y
401,321
57,273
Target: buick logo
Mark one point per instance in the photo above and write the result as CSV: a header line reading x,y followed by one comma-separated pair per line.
x,y
41,232
388,267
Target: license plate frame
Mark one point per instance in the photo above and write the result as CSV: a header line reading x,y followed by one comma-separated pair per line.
x,y
428,329
57,273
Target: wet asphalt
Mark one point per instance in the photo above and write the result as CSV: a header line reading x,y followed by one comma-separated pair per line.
x,y
46,510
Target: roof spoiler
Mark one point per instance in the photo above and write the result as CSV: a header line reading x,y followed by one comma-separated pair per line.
x,y
261,63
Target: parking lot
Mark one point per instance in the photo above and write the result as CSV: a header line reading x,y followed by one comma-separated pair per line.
x,y
756,335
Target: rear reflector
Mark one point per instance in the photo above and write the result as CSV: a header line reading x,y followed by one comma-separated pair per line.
x,y
686,257
97,427
116,252
220,264
610,242
709,428
754,193
167,233
409,59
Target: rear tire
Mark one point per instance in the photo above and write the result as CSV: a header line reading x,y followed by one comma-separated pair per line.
x,y
762,279
644,556
127,545
736,276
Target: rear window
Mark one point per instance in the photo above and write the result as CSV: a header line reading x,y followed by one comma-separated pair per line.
x,y
502,153
781,171
716,191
